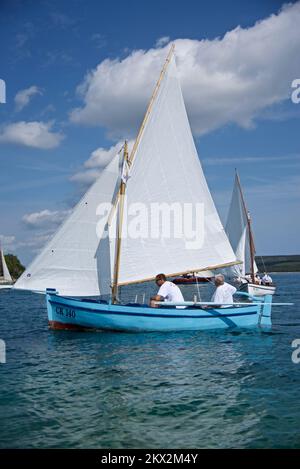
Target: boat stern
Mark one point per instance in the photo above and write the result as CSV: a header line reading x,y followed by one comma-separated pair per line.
x,y
50,293
53,323
61,316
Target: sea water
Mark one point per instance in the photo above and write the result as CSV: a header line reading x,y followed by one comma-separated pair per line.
x,y
216,389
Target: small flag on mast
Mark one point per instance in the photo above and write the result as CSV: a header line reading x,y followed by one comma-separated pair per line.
x,y
125,171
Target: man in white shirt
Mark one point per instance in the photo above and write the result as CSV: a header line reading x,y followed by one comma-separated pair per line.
x,y
266,280
168,291
224,291
257,279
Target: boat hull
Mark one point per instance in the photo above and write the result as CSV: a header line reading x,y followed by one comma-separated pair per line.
x,y
78,314
191,280
5,286
257,290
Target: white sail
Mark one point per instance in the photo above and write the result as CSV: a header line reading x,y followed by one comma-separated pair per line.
x,y
238,234
4,272
75,262
166,169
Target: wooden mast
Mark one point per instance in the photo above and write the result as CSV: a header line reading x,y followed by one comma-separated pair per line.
x,y
251,240
121,193
1,264
252,249
119,228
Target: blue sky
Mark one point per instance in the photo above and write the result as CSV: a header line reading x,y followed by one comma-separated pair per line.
x,y
58,58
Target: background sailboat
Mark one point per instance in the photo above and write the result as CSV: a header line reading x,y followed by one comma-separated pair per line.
x,y
5,278
240,235
164,167
205,276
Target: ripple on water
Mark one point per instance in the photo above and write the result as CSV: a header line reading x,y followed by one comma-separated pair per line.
x,y
234,388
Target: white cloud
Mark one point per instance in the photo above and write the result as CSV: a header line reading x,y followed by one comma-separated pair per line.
x,y
224,80
31,134
102,156
23,97
162,41
86,177
45,219
42,226
98,159
33,244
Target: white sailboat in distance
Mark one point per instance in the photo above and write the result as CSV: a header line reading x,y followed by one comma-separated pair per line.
x,y
240,234
6,280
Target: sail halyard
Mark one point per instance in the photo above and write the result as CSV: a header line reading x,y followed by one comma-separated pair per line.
x,y
1,264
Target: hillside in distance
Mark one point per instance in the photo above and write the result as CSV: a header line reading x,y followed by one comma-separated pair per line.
x,y
278,263
14,266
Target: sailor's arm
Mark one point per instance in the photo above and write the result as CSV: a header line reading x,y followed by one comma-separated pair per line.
x,y
155,298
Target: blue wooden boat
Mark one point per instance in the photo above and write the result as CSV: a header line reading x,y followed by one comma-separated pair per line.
x,y
84,314
97,250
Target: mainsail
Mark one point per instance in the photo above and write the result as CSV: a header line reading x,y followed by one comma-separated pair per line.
x,y
237,229
165,169
4,272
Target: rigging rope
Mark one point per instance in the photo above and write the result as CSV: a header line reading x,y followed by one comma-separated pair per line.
x,y
198,289
263,264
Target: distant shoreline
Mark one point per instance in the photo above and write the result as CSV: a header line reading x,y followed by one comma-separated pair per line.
x,y
284,264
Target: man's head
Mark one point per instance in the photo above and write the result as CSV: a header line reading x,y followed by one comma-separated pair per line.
x,y
160,279
219,280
